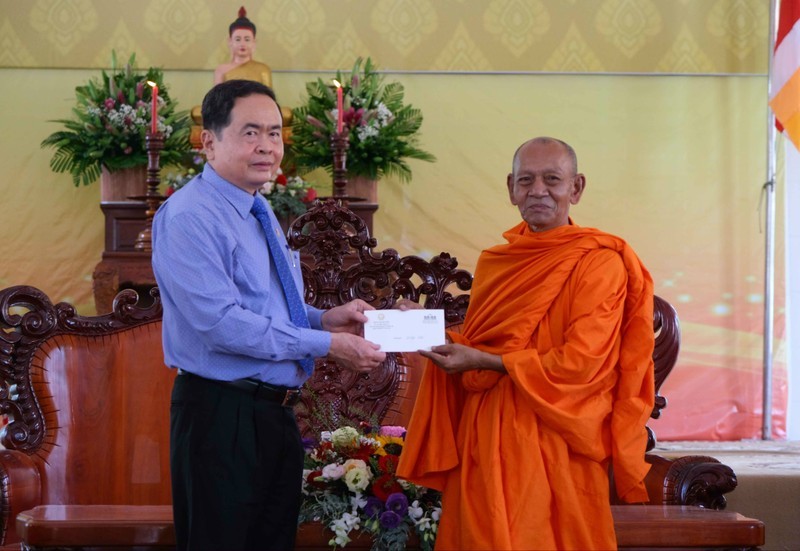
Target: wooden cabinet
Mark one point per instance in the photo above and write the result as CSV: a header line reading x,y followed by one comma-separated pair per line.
x,y
122,266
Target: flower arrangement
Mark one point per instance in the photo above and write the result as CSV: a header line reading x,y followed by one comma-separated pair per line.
x,y
288,195
190,166
350,483
383,132
110,122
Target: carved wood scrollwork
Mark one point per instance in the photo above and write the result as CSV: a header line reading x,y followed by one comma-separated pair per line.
x,y
27,320
699,480
344,266
665,353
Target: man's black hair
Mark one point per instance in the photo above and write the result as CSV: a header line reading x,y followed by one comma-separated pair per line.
x,y
218,103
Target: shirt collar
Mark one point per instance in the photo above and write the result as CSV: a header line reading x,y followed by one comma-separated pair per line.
x,y
238,198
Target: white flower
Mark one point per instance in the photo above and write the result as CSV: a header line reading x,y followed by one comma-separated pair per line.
x,y
325,436
341,527
358,501
333,471
357,475
384,114
423,524
344,437
367,441
266,189
414,510
366,132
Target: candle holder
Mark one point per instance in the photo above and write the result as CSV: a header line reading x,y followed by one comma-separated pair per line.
x,y
340,143
154,143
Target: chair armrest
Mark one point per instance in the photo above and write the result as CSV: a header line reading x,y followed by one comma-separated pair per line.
x,y
20,490
689,480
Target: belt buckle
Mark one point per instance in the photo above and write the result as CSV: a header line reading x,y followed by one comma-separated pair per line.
x,y
290,398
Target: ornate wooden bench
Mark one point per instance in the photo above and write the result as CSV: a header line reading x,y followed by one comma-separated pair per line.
x,y
87,401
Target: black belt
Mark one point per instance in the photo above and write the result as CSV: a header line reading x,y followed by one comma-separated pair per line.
x,y
287,397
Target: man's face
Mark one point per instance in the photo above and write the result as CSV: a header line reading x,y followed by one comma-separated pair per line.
x,y
249,150
242,43
544,185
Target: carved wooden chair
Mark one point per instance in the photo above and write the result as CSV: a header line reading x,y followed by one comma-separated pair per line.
x,y
87,402
87,398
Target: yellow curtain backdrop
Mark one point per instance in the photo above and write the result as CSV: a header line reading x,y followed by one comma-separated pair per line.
x,y
663,100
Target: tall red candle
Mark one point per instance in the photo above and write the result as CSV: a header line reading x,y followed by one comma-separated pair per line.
x,y
339,107
154,108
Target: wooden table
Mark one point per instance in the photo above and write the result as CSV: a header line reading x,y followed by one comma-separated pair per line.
x,y
637,526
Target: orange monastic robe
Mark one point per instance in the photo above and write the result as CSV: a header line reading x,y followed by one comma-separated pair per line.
x,y
522,458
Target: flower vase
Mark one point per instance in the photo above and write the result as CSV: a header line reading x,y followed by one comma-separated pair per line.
x,y
119,185
362,186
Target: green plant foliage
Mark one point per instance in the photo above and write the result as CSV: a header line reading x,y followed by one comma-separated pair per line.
x,y
383,132
110,121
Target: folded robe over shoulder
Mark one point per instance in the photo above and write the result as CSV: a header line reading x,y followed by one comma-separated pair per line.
x,y
522,458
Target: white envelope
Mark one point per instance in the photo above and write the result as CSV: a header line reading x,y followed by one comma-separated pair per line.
x,y
405,330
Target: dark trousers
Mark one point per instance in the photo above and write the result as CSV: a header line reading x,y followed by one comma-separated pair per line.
x,y
237,467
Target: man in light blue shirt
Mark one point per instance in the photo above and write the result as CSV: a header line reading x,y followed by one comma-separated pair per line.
x,y
235,449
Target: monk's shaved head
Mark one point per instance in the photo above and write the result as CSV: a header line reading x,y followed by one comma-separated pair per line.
x,y
545,140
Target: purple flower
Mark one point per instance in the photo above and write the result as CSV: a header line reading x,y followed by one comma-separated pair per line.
x,y
392,430
397,503
374,507
109,104
390,519
308,443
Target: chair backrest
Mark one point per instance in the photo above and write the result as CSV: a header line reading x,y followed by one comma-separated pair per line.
x,y
340,264
665,353
86,398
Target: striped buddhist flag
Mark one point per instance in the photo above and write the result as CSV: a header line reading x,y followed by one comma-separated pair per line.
x,y
785,79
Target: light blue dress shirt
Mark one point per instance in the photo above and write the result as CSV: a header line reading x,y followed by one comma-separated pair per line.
x,y
225,313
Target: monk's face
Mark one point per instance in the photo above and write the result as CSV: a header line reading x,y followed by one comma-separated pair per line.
x,y
242,43
544,184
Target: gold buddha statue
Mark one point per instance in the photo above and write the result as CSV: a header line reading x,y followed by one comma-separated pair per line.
x,y
242,44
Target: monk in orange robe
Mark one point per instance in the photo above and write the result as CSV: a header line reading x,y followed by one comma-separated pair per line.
x,y
549,383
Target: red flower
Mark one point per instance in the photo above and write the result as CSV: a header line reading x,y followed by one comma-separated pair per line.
x,y
281,179
352,117
109,104
388,463
386,485
311,194
362,453
170,191
311,479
